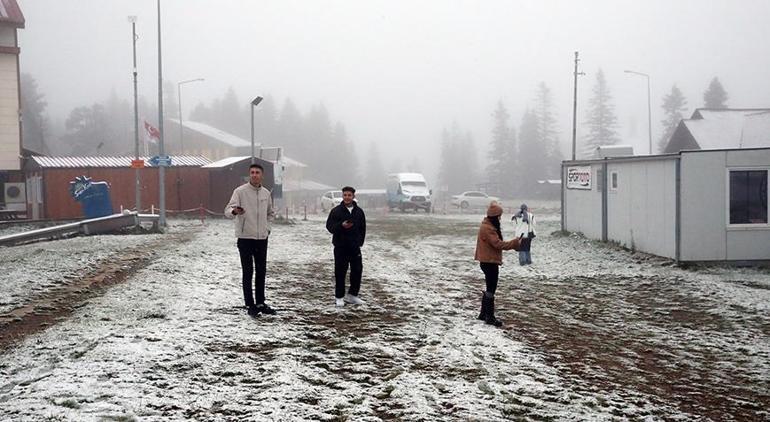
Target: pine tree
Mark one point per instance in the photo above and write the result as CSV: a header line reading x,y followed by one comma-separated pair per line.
x,y
317,150
548,133
602,122
344,170
674,104
375,173
532,151
715,96
502,154
458,162
35,125
290,129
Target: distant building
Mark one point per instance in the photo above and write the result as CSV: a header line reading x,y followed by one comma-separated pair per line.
x,y
11,19
48,178
721,128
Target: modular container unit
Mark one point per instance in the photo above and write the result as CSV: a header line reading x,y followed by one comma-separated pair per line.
x,y
694,206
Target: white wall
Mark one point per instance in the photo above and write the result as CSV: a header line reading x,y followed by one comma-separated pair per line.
x,y
641,213
705,207
10,148
583,208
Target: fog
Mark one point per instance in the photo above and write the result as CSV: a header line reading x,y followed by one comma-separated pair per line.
x,y
398,72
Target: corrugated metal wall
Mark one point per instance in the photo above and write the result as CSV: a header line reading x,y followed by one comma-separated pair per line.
x,y
186,187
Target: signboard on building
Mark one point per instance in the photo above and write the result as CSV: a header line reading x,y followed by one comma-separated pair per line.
x,y
579,177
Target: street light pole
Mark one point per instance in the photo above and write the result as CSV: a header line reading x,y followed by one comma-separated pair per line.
x,y
179,100
138,193
574,108
161,149
254,103
649,107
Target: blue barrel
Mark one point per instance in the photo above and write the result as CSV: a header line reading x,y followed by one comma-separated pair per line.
x,y
94,197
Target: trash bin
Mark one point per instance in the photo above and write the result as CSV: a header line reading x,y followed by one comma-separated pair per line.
x,y
94,197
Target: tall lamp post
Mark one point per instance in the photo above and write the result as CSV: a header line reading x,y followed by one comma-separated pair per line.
x,y
138,194
574,107
255,102
649,108
161,147
179,100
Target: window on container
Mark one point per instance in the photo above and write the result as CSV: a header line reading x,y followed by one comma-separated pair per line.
x,y
748,197
614,180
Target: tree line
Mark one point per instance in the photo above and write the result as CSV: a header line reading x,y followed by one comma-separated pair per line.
x,y
518,160
107,128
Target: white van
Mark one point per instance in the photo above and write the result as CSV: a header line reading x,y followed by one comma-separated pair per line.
x,y
408,191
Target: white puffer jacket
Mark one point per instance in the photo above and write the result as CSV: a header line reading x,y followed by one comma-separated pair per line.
x,y
523,229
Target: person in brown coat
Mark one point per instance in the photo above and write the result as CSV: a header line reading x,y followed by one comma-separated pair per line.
x,y
489,252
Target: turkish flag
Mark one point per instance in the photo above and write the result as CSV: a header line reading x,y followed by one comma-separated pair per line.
x,y
152,132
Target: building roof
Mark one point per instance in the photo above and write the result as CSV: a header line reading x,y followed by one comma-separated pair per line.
x,y
287,162
305,185
112,162
10,14
214,133
729,128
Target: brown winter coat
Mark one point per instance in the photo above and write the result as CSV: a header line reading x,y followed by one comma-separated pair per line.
x,y
489,246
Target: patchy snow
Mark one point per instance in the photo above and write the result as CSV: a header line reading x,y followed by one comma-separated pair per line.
x,y
591,332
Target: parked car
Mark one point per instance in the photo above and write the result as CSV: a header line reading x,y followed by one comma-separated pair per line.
x,y
473,199
331,199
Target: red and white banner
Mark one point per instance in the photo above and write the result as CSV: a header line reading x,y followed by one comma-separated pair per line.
x,y
579,177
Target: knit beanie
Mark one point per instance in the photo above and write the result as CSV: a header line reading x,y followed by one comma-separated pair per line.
x,y
494,210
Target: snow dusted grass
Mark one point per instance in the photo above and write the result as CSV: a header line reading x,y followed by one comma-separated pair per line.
x,y
592,332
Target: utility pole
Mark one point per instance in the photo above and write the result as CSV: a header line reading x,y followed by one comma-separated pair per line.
x,y
161,149
574,108
138,192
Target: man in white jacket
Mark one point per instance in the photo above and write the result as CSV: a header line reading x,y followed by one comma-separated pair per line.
x,y
252,208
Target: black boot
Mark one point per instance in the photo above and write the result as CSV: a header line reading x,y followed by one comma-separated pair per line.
x,y
483,314
490,318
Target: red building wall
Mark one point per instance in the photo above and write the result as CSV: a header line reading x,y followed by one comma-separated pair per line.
x,y
186,188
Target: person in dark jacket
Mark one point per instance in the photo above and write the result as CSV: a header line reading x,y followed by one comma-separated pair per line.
x,y
347,224
489,252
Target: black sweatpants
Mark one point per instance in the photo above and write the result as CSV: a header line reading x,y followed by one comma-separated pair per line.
x,y
344,258
253,262
491,274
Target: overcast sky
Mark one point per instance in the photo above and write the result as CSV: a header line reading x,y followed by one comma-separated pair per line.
x,y
395,72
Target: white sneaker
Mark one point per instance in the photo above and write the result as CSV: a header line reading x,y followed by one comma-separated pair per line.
x,y
353,300
340,303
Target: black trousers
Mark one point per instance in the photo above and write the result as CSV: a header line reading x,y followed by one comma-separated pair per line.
x,y
344,258
253,262
491,274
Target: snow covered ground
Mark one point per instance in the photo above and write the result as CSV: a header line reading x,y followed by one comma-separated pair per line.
x,y
591,332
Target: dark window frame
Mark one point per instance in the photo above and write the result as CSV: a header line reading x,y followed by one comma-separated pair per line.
x,y
747,197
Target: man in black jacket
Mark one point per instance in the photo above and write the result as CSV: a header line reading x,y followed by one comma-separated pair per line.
x,y
347,224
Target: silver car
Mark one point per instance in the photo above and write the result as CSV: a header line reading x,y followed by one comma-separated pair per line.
x,y
473,199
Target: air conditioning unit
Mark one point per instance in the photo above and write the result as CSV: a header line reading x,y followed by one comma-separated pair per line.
x,y
15,193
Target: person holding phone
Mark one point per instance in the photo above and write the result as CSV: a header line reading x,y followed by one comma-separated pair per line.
x,y
347,224
489,252
251,206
